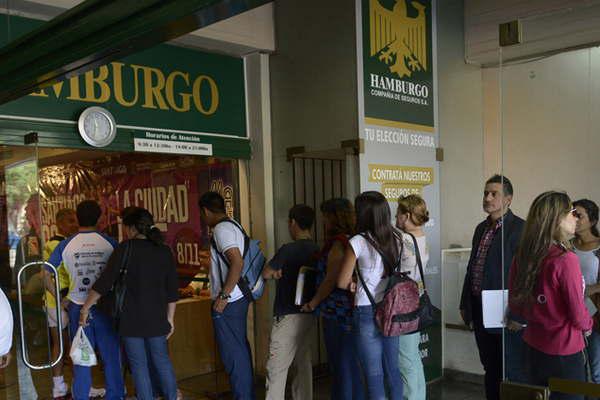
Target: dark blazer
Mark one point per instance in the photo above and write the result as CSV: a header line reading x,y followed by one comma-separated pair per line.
x,y
492,270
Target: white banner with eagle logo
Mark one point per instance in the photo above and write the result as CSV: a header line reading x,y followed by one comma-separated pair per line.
x,y
396,70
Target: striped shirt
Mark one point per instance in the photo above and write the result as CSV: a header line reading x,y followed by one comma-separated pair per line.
x,y
482,250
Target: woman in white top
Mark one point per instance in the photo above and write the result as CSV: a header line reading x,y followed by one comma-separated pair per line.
x,y
378,355
6,330
587,248
411,216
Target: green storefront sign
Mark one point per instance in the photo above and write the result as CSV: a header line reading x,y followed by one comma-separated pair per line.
x,y
398,64
164,89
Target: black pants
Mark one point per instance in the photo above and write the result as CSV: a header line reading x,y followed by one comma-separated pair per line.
x,y
490,352
545,366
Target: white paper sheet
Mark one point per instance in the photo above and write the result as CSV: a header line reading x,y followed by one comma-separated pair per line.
x,y
495,305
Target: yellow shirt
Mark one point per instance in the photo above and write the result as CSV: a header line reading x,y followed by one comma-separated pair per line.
x,y
63,275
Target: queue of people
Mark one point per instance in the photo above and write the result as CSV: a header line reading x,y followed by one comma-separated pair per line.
x,y
550,263
364,364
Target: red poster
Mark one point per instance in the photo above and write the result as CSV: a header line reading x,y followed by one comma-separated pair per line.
x,y
168,186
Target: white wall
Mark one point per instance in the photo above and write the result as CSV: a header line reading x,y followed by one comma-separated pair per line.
x,y
550,125
462,172
460,126
257,174
546,25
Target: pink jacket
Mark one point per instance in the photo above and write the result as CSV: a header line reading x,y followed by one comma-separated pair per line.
x,y
558,317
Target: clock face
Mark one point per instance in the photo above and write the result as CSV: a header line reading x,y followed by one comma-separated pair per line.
x,y
97,126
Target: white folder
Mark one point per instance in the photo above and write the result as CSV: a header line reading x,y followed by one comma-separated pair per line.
x,y
495,307
303,276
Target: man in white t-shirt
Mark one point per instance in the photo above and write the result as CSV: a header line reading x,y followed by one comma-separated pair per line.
x,y
84,257
6,330
230,307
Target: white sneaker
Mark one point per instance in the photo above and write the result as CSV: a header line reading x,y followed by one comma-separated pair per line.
x,y
97,392
60,391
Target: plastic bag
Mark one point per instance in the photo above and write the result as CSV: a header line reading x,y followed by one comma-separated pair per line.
x,y
82,353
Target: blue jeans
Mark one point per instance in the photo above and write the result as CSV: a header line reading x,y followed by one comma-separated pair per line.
x,y
343,361
232,342
593,349
102,336
143,353
378,356
154,377
411,367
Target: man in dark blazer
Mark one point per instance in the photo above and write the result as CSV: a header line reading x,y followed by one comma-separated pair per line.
x,y
491,257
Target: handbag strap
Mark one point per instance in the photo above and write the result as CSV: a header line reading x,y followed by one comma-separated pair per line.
x,y
384,257
125,259
367,291
418,257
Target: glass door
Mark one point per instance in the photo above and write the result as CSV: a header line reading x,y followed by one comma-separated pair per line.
x,y
543,135
37,332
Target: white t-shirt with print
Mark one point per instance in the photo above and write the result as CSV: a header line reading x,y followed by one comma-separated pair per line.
x,y
371,270
409,257
6,325
84,256
227,236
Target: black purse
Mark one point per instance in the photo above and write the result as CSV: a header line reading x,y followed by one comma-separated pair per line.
x,y
112,303
428,313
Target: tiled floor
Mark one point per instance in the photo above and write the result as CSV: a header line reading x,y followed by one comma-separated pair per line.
x,y
453,390
204,388
195,389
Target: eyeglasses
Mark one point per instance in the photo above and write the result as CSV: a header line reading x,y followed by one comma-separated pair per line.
x,y
575,213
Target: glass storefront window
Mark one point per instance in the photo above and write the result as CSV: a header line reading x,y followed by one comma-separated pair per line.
x,y
36,185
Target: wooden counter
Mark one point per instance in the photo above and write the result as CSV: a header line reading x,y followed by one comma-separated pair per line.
x,y
192,347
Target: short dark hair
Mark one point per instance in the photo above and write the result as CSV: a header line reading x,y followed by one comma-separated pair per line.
x,y
303,215
507,186
88,213
213,201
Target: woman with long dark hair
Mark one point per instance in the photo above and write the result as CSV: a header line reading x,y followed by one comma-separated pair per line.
x,y
147,319
335,304
378,355
587,248
546,288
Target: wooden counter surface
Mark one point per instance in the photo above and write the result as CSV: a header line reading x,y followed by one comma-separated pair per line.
x,y
192,347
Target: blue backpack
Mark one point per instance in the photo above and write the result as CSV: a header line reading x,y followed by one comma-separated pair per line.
x,y
251,282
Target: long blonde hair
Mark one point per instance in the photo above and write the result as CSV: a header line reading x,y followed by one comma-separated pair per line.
x,y
542,229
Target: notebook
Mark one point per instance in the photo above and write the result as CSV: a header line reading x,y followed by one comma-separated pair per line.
x,y
495,306
306,285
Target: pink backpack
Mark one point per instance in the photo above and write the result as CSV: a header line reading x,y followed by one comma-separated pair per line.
x,y
399,311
